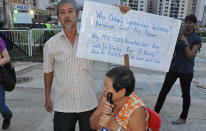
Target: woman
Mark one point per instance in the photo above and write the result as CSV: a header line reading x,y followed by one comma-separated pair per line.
x,y
127,113
182,67
5,111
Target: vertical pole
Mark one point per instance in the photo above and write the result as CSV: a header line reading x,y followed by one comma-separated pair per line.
x,y
7,13
126,60
30,42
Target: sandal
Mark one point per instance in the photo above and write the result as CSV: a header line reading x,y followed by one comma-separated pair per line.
x,y
179,121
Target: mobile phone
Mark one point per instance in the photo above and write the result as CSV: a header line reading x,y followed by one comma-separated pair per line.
x,y
181,31
109,97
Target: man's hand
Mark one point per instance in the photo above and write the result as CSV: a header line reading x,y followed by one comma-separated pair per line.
x,y
48,105
123,8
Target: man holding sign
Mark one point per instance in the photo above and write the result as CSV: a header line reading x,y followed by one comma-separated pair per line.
x,y
75,97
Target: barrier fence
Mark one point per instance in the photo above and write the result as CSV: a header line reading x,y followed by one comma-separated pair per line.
x,y
23,42
26,42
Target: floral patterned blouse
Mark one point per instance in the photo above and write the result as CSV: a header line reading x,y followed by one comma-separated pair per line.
x,y
133,103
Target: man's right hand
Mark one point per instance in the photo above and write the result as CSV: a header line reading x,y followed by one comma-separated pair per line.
x,y
48,105
124,9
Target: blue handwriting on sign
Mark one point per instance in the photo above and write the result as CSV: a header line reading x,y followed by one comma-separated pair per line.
x,y
136,24
124,28
149,34
95,37
159,28
106,37
101,24
116,19
100,16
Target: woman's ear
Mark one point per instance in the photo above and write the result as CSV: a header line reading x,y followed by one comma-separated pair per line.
x,y
122,92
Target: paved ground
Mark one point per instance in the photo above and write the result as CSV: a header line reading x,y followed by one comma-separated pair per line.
x,y
27,100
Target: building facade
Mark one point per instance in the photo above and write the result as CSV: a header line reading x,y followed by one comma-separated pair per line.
x,y
140,5
177,9
198,9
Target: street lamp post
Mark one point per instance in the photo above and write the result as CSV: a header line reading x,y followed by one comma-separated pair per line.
x,y
7,14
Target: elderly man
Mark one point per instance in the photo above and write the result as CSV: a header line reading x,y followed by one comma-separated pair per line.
x,y
74,96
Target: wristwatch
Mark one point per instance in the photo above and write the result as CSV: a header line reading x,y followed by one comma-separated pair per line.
x,y
119,128
186,45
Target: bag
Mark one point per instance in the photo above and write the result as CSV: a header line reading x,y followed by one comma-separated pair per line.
x,y
8,76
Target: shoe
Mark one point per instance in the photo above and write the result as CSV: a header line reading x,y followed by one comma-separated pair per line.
x,y
179,121
6,123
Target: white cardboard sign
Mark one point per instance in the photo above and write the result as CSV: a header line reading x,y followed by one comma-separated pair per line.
x,y
106,35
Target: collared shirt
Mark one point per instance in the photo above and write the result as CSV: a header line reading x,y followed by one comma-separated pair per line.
x,y
73,81
180,62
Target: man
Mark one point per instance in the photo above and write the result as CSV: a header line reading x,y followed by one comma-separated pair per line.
x,y
71,78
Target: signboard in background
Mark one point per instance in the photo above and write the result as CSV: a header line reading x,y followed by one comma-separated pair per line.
x,y
106,35
21,7
22,15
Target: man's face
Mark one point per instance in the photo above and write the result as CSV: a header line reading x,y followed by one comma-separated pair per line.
x,y
68,16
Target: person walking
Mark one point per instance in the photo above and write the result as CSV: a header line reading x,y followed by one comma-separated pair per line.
x,y
5,111
182,67
71,77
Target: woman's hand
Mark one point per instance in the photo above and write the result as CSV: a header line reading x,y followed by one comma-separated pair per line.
x,y
183,38
109,122
107,108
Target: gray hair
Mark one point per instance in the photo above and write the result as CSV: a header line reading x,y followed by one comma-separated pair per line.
x,y
73,2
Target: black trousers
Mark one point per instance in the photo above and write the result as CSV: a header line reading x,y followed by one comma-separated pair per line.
x,y
67,121
185,83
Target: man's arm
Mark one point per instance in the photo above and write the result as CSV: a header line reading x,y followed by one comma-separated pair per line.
x,y
48,79
94,119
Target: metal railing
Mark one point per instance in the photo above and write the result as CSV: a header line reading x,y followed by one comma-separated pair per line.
x,y
38,39
26,42
16,42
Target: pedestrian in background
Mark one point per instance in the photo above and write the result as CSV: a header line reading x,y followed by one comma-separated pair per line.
x,y
71,77
5,111
182,67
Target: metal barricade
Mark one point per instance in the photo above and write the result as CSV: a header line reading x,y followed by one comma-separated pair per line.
x,y
38,39
26,42
17,42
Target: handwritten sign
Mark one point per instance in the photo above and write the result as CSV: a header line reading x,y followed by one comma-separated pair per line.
x,y
106,35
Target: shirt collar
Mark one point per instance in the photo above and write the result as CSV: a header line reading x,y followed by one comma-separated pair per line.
x,y
62,33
